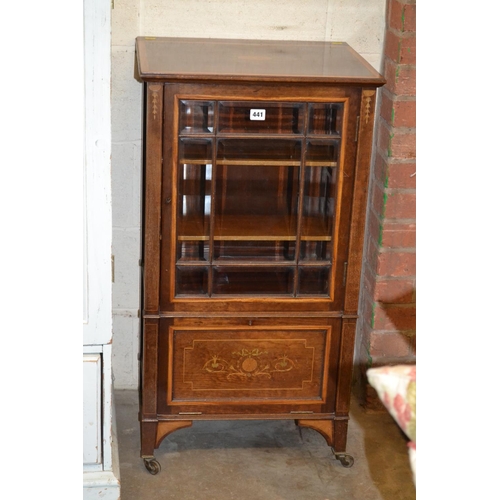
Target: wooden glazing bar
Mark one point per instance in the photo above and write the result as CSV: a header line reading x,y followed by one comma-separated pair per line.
x,y
213,194
300,207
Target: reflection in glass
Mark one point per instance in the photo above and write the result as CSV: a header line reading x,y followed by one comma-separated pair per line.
x,y
318,209
316,250
194,202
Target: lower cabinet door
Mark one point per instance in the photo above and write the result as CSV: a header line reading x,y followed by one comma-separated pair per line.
x,y
92,441
259,368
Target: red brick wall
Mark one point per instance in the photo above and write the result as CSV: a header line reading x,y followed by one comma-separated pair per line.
x,y
386,329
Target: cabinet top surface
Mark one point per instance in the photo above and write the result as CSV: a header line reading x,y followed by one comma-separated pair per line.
x,y
198,59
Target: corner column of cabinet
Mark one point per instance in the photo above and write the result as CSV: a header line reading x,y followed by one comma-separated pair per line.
x,y
355,253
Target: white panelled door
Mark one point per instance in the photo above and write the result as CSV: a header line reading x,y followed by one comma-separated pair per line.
x,y
100,457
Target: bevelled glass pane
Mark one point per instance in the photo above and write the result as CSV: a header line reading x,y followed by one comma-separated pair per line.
x,y
322,153
256,203
196,151
316,250
313,280
259,152
254,250
253,280
250,188
188,251
194,202
191,281
261,117
319,200
196,117
325,118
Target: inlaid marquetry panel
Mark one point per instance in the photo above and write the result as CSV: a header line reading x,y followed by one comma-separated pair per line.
x,y
248,365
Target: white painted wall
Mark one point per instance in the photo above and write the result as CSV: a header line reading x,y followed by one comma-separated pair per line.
x,y
360,23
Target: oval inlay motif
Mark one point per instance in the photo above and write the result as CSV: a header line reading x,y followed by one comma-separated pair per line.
x,y
249,365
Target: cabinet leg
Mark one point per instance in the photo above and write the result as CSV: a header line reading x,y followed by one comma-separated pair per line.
x,y
340,442
335,434
340,436
152,434
148,438
148,442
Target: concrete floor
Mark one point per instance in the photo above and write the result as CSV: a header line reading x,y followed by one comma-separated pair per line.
x,y
264,460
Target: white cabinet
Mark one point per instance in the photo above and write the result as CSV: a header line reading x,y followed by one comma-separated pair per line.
x,y
101,478
100,456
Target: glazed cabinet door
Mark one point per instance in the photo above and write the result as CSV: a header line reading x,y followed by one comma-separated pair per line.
x,y
254,190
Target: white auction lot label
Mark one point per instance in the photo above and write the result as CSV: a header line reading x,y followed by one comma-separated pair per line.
x,y
258,114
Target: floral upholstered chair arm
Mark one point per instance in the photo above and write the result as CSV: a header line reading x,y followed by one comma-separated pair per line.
x,y
396,387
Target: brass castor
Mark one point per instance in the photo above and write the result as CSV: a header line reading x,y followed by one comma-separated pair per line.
x,y
152,465
345,459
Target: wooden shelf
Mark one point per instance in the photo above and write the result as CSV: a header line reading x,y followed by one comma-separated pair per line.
x,y
252,228
255,228
197,161
253,163
260,163
321,163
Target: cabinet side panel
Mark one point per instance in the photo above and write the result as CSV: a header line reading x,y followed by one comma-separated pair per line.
x,y
345,366
356,238
152,195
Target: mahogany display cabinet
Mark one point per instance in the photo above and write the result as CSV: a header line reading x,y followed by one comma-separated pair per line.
x,y
256,166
